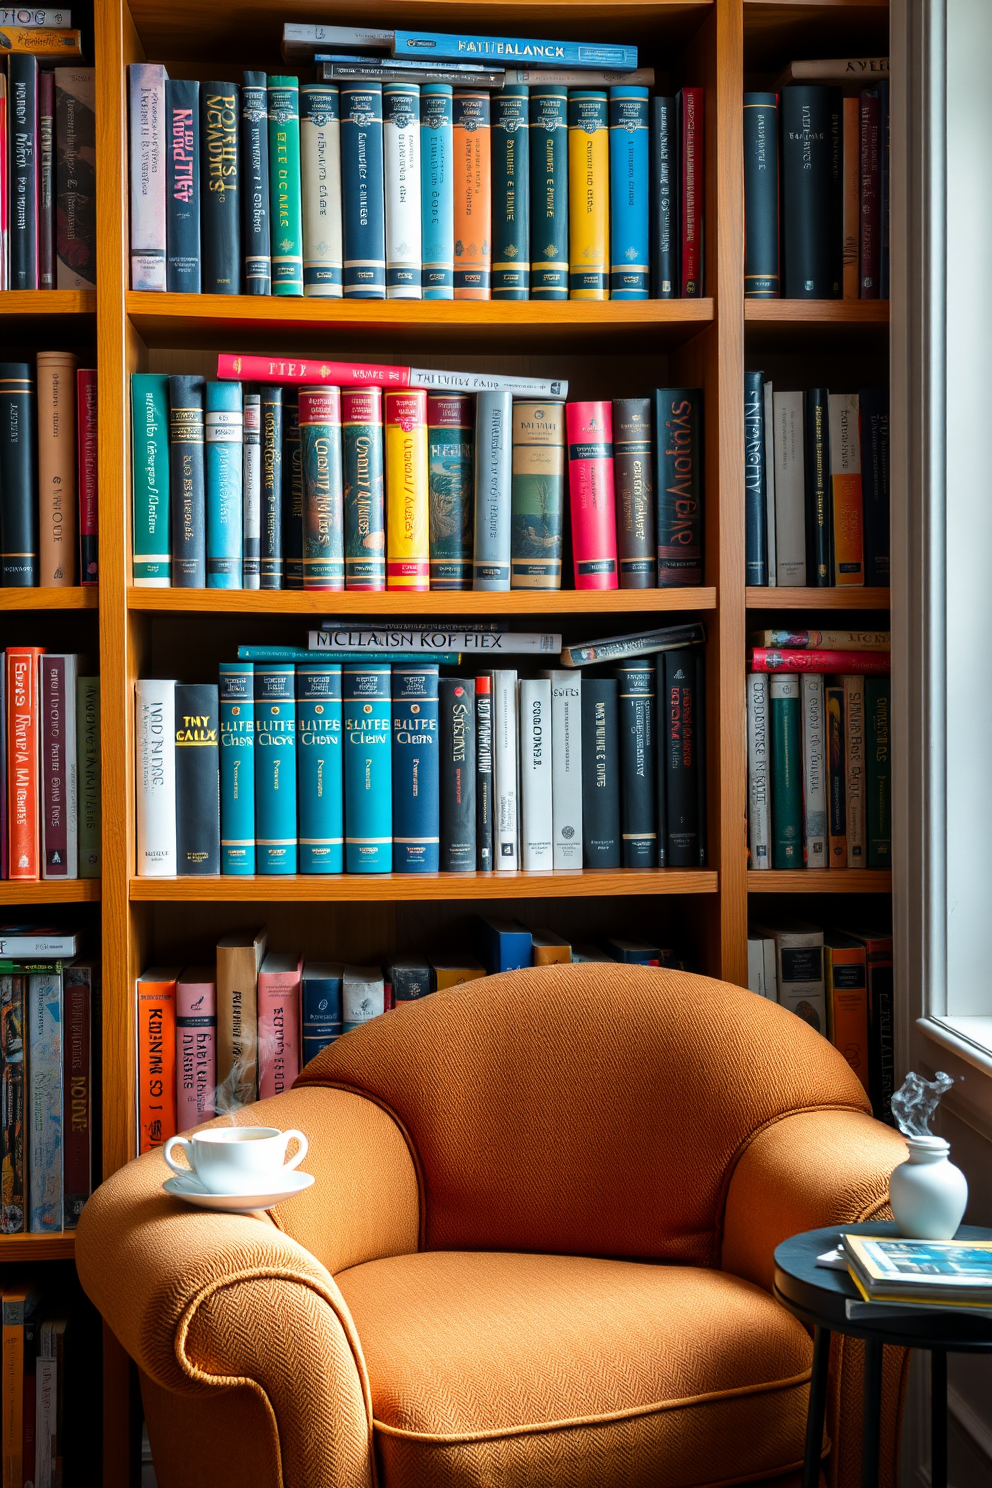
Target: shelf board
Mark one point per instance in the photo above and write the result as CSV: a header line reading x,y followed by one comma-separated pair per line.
x,y
356,887
815,326
56,1247
49,891
828,881
51,598
818,599
31,302
816,312
438,602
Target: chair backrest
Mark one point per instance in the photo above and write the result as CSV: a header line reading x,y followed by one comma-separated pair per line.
x,y
587,1109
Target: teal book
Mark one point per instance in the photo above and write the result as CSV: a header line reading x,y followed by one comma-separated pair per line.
x,y
511,193
549,192
787,770
323,495
236,685
630,254
224,436
285,203
88,793
368,792
319,769
364,500
292,492
437,202
878,763
44,1104
151,537
275,768
451,488
416,770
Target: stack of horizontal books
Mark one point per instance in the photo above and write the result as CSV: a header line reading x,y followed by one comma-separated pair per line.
x,y
895,1276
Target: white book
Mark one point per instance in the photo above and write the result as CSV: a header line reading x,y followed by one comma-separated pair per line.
x,y
771,970
30,19
482,643
756,966
566,767
799,969
770,485
363,995
854,769
814,769
505,828
758,770
640,77
536,774
401,189
59,670
146,94
300,41
155,777
790,490
320,185
855,72
252,492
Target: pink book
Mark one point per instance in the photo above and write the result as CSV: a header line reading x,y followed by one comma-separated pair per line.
x,y
278,1023
589,429
86,478
196,1046
691,105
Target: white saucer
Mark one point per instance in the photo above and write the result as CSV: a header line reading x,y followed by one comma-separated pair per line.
x,y
192,1190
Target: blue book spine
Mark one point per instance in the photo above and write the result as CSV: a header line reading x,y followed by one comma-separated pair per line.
x,y
275,768
319,771
255,230
224,434
493,469
187,479
220,204
511,193
512,51
630,255
506,945
43,1099
332,653
416,770
437,192
549,192
364,224
182,187
368,776
664,201
236,687
321,1011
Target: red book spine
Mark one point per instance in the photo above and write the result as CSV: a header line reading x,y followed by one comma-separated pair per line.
x,y
77,1093
589,428
340,374
86,479
23,818
54,766
156,1038
871,203
862,663
691,103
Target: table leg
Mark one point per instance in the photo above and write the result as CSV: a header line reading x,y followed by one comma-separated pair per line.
x,y
871,1413
938,1418
817,1408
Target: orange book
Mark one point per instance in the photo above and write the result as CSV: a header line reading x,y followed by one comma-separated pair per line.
x,y
23,819
19,1305
846,972
452,971
549,949
851,211
845,479
472,174
156,1016
57,467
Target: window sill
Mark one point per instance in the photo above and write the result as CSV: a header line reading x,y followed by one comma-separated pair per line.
x,y
969,1038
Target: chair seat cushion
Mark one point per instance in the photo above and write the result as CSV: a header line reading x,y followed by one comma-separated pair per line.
x,y
531,1371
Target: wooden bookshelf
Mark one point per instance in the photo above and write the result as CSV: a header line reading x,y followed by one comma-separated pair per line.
x,y
25,1249
75,597
533,602
817,599
828,881
49,891
21,304
354,888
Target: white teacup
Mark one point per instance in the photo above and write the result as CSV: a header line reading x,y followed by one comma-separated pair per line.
x,y
237,1159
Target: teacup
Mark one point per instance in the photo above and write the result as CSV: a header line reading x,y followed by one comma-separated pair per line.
x,y
237,1159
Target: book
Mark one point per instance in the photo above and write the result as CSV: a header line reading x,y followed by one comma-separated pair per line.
x,y
451,489
437,190
663,200
536,820
275,769
601,831
873,410
854,768
236,711
510,141
589,428
323,556
224,459
549,949
907,1273
74,204
284,185
690,107
319,768
484,781
38,943
251,489
566,768
187,481
845,477
301,653
59,784
755,514
472,195
790,489
197,765
27,17
278,1022
881,1028
536,494
678,485
761,197
12,1096
505,945
814,770
836,779
849,71
637,728
239,959
408,490
416,762
574,77
407,978
787,659
151,523
155,1014
291,496
256,236
368,805
301,41
588,195
4,840
548,112
761,976
220,177
50,41
401,163
456,708
799,967
81,998
270,563
19,560
846,978
22,742
824,640
88,794
86,469
20,1306
493,479
505,766
183,190
363,205
870,170
147,119
811,178
641,643
633,479
498,48
787,770
22,161
320,998
636,952
363,996
851,198
878,773
196,1046
364,503
339,66
371,374
320,178
630,257
768,413
819,501
452,971
682,757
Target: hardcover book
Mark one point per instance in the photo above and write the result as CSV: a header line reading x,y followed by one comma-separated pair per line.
x,y
588,195
506,772
362,191
637,728
81,1005
75,178
536,769
146,112
292,492
690,106
589,428
56,395
511,193
854,768
790,489
19,560
452,971
484,779
787,771
155,777
456,703
271,557
22,183
683,757
401,160
364,508
819,502
761,197
151,531
873,407
86,464
811,182
759,771
537,494
663,200
481,46
323,494
814,770
450,436
59,772
44,1170
409,978
236,699
408,487
155,1036
23,734
88,791
505,945
275,769
799,964
641,643
251,486
197,779
367,741
12,1096
416,754
633,478
320,173
600,774
493,474
220,200
549,190
472,175
878,787
363,995
320,992
755,512
183,270
319,767
224,450
630,258
836,778
845,478
278,1022
239,958
846,977
566,770
187,479
196,1046
437,191
284,186
255,213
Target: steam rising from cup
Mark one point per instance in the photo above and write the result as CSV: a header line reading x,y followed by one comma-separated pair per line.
x,y
916,1100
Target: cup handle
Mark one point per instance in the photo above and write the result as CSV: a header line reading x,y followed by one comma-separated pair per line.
x,y
188,1172
295,1161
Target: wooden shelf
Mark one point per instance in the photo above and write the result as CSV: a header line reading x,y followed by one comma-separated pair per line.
x,y
519,602
817,599
817,312
50,598
357,887
32,302
48,891
55,1247
828,881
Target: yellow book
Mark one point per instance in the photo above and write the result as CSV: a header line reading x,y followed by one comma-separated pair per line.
x,y
408,551
588,195
451,972
550,949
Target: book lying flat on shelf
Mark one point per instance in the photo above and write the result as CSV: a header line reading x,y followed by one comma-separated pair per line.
x,y
932,1271
481,642
293,371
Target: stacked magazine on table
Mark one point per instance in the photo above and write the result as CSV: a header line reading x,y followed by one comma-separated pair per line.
x,y
895,1276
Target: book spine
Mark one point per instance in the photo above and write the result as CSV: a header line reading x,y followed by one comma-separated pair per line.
x,y
536,769
220,186
485,47
46,180
682,714
278,1030
88,792
4,784
633,479
827,640
408,557
362,191
814,771
251,487
77,1110
630,254
186,459
236,708
151,524
319,768
23,158
224,450
472,179
484,773
664,200
56,391
436,191
836,778
800,976
457,707
363,996
416,751
493,467
537,483
566,768
401,164
321,1013
819,502
601,827
787,772
300,41
790,489
847,1005
690,105
320,172
878,773
12,1095
450,438
270,565
238,960
768,416
292,493
588,195
873,407
297,373
156,1040
758,772
146,109
23,792
197,779
549,191
506,787
870,663
284,186
46,1211
854,769
368,796
332,66
256,217
275,769
4,194
644,643
196,1051
678,482
761,265
511,193
845,482
18,478
755,545
638,733
323,493
364,508
183,264
86,467
589,427
851,209
870,166
810,131
59,780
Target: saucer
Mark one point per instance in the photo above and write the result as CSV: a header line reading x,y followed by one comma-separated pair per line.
x,y
192,1190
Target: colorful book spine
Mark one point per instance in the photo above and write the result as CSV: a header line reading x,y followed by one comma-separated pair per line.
x,y
878,773
321,1007
691,108
186,477
787,772
22,745
155,777
236,705
416,750
870,169
482,47
88,775
251,488
57,458
436,191
255,214
484,773
664,200
836,778
506,776
637,727
292,493
472,181
368,795
761,254
511,192
755,496
151,525
59,784
601,831
537,484
854,769
401,164
566,778
450,426
319,768
845,974
270,564
183,273
220,201
536,772
196,1046
197,779
278,1023
19,560
146,113
75,205
679,485
362,191
845,486
275,769
803,659
630,254
493,466
320,178
589,428
323,495
819,503
408,486
759,802
12,1095
549,192
873,406
23,168
303,372
364,506
814,770
684,758
284,186
224,440
46,1214
456,705
86,457
80,999
633,479
588,195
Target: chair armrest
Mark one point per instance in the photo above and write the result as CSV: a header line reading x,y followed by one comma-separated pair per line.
x,y
804,1172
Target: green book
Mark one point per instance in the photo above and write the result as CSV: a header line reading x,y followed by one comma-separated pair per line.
x,y
150,527
88,775
879,771
787,771
537,493
285,198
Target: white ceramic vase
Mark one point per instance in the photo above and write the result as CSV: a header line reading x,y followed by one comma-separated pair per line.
x,y
928,1193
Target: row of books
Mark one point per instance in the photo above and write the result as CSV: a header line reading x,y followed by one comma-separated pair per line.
x,y
816,486
816,193
46,1426
264,486
48,472
49,766
47,163
840,982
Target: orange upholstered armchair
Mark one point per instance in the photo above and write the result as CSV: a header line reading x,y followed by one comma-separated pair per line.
x,y
538,1253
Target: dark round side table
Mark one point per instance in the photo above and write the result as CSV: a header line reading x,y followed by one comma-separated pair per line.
x,y
817,1296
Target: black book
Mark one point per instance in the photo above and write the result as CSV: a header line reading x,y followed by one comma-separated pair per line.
x,y
755,533
484,774
270,561
761,267
186,477
678,442
182,187
681,695
255,220
874,408
292,492
633,477
220,205
701,754
458,770
811,192
819,498
22,169
197,778
411,977
664,200
18,477
600,774
637,725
